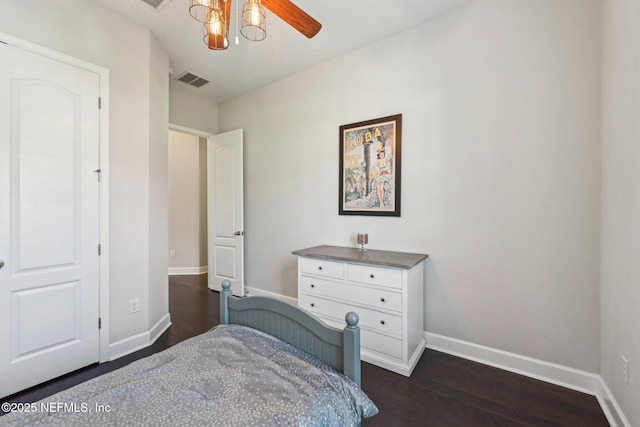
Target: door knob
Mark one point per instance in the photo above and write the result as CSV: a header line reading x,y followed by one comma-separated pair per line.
x,y
1,263
239,233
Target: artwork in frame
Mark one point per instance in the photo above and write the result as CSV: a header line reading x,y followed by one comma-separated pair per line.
x,y
370,154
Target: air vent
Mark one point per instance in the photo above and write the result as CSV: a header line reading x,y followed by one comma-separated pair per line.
x,y
153,3
192,79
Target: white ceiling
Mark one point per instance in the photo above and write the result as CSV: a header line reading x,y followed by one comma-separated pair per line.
x,y
346,25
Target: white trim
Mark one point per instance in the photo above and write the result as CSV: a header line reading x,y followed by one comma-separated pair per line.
x,y
128,345
104,121
610,406
159,328
262,293
185,271
139,341
50,53
564,376
104,214
180,271
190,131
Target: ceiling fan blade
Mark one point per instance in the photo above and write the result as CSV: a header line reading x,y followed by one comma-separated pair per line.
x,y
294,16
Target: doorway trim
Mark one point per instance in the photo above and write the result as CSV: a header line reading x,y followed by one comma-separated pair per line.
x,y
103,73
190,131
177,271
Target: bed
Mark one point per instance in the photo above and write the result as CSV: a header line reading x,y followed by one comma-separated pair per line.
x,y
267,363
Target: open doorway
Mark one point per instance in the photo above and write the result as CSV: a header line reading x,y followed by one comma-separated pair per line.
x,y
206,213
187,203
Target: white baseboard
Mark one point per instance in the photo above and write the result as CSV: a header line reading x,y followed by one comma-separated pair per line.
x,y
139,341
159,328
610,407
128,345
187,271
259,292
564,376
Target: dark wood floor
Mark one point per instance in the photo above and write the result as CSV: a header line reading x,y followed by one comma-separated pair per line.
x,y
442,391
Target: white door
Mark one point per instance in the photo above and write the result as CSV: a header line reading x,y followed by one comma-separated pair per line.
x,y
225,211
49,218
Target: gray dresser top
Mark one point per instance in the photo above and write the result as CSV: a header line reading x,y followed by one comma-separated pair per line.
x,y
369,256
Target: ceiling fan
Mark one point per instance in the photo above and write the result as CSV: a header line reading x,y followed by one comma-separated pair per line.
x,y
216,16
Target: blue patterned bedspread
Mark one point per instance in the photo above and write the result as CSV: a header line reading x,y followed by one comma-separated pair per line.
x,y
229,376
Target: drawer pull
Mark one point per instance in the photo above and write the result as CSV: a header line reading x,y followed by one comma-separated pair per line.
x,y
313,286
320,267
372,275
313,305
381,299
382,322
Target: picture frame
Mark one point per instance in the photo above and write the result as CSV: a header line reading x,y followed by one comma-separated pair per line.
x,y
370,167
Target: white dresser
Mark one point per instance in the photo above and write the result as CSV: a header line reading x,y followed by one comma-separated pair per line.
x,y
385,288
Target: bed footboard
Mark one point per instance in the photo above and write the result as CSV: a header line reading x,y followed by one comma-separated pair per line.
x,y
339,349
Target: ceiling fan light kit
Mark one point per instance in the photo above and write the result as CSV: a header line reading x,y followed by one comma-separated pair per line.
x,y
254,22
216,14
216,28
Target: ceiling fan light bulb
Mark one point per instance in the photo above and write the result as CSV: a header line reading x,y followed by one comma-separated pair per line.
x,y
215,23
255,14
215,28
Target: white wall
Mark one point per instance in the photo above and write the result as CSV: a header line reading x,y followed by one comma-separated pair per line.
x,y
191,110
158,182
620,295
95,34
187,207
500,179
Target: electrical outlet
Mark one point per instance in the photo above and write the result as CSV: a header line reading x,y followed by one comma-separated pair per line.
x,y
625,370
172,253
134,305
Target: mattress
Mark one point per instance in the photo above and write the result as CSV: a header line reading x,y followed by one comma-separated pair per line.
x,y
229,376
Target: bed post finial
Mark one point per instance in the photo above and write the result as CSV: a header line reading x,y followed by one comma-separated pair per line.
x,y
225,294
352,347
352,319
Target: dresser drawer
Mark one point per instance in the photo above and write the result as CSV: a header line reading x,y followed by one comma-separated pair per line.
x,y
389,277
370,318
371,340
375,298
320,267
381,343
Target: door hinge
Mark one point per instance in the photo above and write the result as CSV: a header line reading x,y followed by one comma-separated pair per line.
x,y
99,322
99,103
99,249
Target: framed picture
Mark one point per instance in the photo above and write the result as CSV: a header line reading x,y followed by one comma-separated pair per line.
x,y
370,153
